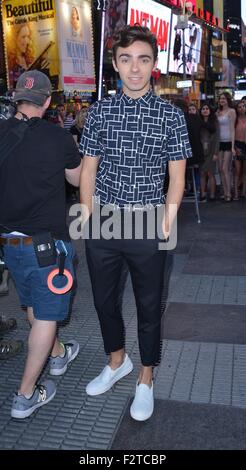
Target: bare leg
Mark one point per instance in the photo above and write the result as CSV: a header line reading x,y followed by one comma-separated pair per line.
x,y
40,342
212,184
57,348
221,172
227,173
203,183
146,375
237,177
116,358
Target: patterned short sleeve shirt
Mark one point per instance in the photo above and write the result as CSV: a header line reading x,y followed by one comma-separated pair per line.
x,y
135,139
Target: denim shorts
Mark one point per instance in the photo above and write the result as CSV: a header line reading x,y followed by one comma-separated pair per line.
x,y
31,282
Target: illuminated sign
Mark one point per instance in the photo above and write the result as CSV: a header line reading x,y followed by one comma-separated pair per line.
x,y
157,18
200,13
30,39
184,84
76,45
193,40
234,26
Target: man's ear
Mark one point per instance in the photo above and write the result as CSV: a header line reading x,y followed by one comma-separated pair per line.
x,y
47,103
115,66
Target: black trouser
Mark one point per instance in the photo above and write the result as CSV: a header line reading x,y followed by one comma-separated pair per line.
x,y
146,265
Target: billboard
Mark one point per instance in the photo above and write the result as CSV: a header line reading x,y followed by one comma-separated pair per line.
x,y
115,19
201,68
200,4
193,39
157,18
76,45
216,58
243,12
30,39
218,10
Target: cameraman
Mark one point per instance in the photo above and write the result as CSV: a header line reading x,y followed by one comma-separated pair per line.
x,y
36,158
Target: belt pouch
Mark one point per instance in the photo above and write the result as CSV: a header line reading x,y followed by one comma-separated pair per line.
x,y
45,250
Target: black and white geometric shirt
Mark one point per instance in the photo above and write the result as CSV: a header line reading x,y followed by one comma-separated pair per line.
x,y
134,138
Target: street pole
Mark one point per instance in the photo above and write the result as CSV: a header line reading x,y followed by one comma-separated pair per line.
x,y
184,55
183,25
101,6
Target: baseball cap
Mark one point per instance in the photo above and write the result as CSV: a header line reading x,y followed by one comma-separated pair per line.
x,y
33,86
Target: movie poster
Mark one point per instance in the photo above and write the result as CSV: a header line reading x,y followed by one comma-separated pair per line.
x,y
115,19
30,39
157,18
201,67
76,45
216,59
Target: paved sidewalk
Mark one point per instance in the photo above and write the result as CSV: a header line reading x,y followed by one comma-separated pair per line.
x,y
199,367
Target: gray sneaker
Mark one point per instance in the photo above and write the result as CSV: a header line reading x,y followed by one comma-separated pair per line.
x,y
23,407
58,364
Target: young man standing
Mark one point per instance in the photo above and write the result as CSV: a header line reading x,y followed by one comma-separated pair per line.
x,y
127,142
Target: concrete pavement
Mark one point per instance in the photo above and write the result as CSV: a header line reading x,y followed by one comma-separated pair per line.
x,y
204,348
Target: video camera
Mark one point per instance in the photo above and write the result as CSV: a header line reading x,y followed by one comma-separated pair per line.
x,y
7,107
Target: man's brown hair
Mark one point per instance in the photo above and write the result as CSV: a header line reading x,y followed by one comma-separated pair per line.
x,y
130,34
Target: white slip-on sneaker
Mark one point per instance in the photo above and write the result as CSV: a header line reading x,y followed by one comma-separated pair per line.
x,y
143,404
104,381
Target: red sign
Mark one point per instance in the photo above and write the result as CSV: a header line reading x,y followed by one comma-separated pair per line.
x,y
157,26
157,18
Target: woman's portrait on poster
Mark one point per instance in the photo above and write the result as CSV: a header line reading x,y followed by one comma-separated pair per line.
x,y
21,53
75,23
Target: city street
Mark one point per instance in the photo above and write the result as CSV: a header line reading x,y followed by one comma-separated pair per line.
x,y
200,385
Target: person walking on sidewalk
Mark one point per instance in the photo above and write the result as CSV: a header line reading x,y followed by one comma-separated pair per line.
x,y
126,144
32,204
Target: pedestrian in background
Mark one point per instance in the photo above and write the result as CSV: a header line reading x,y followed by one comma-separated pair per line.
x,y
226,117
210,142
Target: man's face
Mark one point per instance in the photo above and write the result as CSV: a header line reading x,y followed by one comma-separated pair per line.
x,y
135,64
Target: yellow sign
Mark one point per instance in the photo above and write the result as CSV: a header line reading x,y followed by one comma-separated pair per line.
x,y
30,38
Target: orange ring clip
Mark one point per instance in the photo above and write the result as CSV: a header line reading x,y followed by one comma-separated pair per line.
x,y
60,290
